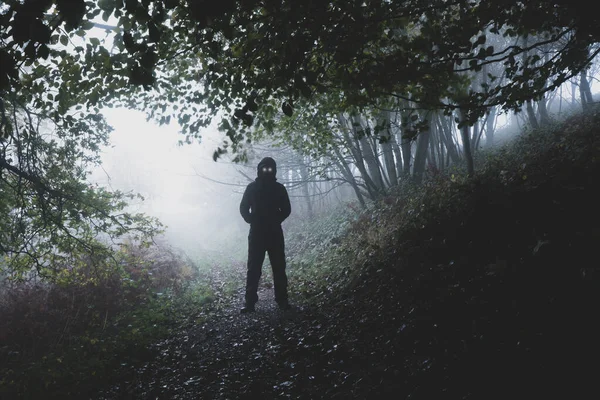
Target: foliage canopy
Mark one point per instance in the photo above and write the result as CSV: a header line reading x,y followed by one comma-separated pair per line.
x,y
209,56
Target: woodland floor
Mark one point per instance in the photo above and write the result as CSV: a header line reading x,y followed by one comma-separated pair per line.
x,y
266,354
491,338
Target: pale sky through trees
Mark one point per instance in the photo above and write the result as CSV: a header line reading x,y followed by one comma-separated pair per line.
x,y
146,158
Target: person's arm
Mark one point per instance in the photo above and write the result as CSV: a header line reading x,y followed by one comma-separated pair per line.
x,y
245,205
285,208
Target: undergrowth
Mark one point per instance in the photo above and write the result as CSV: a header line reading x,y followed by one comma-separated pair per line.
x,y
317,263
60,339
440,221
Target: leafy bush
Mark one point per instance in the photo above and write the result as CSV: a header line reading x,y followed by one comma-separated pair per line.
x,y
308,239
74,332
317,262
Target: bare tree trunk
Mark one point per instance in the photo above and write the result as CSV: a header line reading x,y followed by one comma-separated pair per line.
x,y
305,190
528,104
387,150
439,146
382,169
479,133
560,100
441,152
397,156
447,138
430,159
421,154
464,131
543,112
474,136
372,188
422,147
584,91
369,155
405,142
542,103
434,155
394,142
531,115
406,146
389,162
489,130
348,175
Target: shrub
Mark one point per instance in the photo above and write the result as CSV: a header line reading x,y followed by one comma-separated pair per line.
x,y
73,331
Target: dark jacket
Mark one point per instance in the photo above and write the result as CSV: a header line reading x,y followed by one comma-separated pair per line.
x,y
265,203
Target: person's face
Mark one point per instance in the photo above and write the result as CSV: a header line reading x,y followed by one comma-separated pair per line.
x,y
267,170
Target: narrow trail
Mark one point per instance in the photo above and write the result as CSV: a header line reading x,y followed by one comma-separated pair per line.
x,y
267,354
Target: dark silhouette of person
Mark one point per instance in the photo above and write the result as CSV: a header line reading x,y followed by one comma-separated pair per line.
x,y
265,205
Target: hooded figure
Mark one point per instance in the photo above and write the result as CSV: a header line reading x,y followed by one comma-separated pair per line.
x,y
265,205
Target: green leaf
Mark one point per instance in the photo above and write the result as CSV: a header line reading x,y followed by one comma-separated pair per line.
x,y
107,5
106,15
287,109
153,32
43,51
87,25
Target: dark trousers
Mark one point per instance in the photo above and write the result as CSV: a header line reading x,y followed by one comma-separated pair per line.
x,y
259,243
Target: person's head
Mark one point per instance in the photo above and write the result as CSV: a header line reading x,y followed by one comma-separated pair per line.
x,y
267,168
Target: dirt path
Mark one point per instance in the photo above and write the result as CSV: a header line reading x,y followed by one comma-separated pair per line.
x,y
268,354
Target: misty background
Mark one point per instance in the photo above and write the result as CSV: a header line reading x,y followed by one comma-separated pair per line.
x,y
179,183
196,198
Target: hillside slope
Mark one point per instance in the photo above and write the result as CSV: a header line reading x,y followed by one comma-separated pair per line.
x,y
493,290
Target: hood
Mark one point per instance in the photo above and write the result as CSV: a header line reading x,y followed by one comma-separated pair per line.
x,y
266,162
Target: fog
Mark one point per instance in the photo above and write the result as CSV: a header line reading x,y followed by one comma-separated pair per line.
x,y
196,198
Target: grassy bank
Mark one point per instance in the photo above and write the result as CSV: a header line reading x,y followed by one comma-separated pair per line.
x,y
485,287
68,338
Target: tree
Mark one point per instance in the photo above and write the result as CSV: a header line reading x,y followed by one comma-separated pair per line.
x,y
232,56
51,130
52,218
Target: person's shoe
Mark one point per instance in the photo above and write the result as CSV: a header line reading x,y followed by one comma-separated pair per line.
x,y
248,308
285,306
